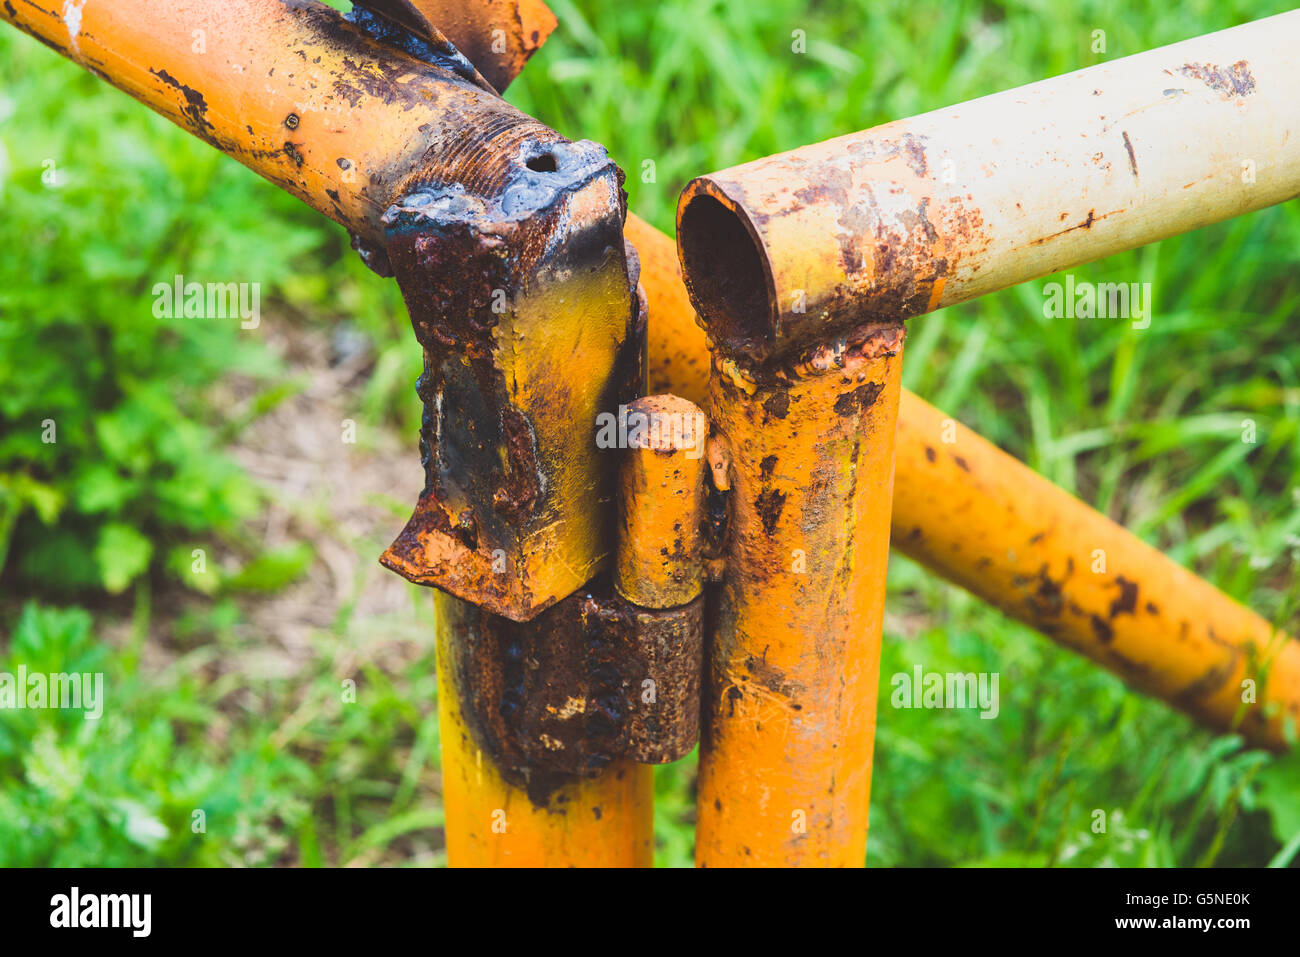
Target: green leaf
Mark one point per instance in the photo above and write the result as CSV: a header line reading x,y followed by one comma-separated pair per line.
x,y
1279,783
274,569
122,553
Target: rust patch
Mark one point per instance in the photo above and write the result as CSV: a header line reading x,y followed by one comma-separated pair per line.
x,y
1213,679
195,109
913,149
564,695
859,400
1104,632
768,504
1132,160
1228,82
1126,602
777,404
1047,599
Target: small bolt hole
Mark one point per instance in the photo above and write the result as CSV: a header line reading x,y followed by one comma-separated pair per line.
x,y
545,163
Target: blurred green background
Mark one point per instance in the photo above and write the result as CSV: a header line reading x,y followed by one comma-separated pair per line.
x,y
195,533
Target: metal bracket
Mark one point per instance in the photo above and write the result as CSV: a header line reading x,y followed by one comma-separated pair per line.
x,y
589,680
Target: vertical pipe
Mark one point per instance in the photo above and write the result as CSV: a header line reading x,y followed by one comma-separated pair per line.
x,y
985,521
659,570
790,706
658,563
605,821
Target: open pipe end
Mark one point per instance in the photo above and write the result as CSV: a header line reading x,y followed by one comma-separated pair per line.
x,y
726,272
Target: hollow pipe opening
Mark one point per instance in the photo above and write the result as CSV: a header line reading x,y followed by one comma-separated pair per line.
x,y
726,275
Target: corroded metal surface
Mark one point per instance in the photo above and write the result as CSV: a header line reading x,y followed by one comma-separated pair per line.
x,y
499,36
586,683
940,208
982,519
660,553
336,112
519,291
664,703
558,821
789,713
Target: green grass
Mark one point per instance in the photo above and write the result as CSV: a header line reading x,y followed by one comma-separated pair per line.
x,y
1145,424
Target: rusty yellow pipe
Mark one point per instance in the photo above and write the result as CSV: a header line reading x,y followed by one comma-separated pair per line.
x,y
294,92
358,129
604,821
997,529
790,704
659,570
980,518
498,36
924,212
659,562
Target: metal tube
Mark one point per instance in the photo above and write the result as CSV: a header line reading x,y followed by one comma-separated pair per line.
x,y
498,36
493,819
659,559
980,518
1000,527
659,570
790,704
296,93
940,208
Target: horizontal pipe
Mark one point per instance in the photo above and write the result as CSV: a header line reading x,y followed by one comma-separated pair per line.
x,y
298,94
498,36
925,212
982,519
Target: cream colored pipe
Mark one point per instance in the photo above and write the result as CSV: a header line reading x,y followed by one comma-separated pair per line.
x,y
940,208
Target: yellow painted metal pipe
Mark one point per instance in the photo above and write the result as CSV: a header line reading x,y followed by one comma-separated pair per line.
x,y
357,129
997,529
660,555
940,208
980,518
293,91
790,704
498,36
602,821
